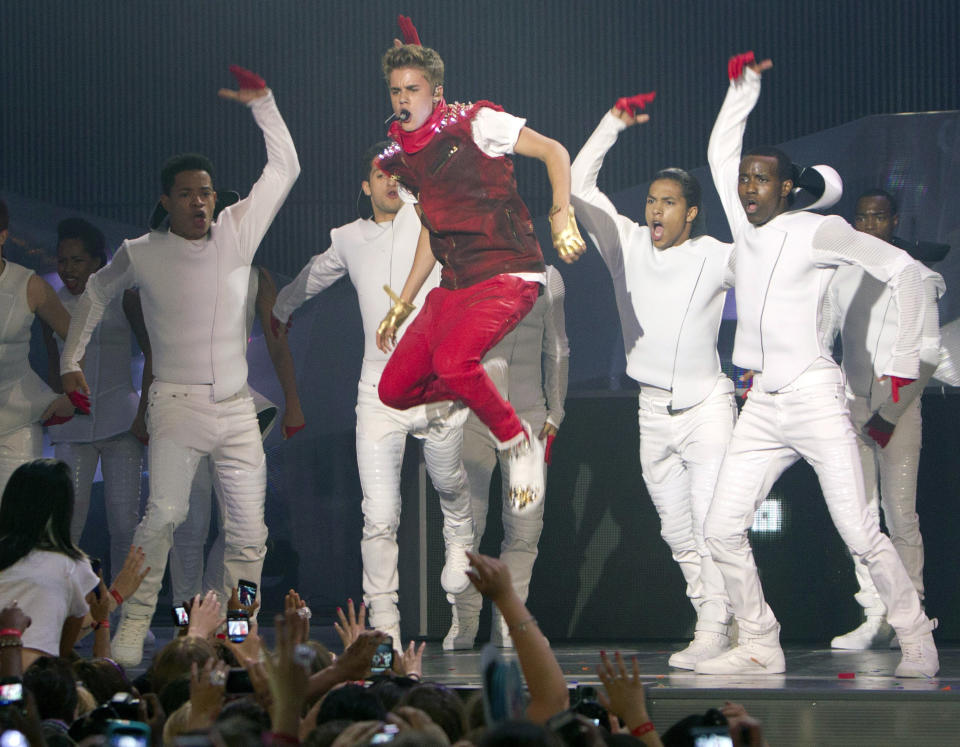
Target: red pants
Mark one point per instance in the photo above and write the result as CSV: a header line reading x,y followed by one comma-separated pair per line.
x,y
439,356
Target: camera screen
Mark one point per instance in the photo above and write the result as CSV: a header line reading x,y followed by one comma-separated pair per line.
x,y
247,593
182,617
382,658
713,740
128,740
12,692
237,629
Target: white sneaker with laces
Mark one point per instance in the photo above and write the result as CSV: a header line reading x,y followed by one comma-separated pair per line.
x,y
127,644
874,632
705,645
919,657
755,654
525,460
463,630
453,577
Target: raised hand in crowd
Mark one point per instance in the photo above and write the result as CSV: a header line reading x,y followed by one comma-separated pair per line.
x,y
207,687
292,602
351,624
205,617
12,619
745,730
408,662
287,675
625,697
130,577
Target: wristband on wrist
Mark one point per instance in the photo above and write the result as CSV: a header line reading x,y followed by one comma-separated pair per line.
x,y
6,632
644,728
520,627
116,596
101,624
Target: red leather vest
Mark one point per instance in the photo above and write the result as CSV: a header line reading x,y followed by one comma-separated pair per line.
x,y
479,227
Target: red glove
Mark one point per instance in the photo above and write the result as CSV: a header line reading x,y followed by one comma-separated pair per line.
x,y
881,437
80,400
409,31
548,450
736,64
247,79
631,104
56,420
896,382
289,431
276,325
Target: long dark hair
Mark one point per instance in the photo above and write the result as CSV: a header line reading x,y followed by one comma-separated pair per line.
x,y
35,512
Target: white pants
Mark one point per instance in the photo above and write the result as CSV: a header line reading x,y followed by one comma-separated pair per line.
x,y
680,457
521,530
381,438
808,420
190,572
121,460
19,447
184,426
896,465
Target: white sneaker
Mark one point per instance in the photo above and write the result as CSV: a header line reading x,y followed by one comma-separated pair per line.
x,y
755,655
705,645
526,471
499,632
463,630
453,577
127,644
874,632
919,657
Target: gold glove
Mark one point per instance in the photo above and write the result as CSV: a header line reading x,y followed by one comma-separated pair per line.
x,y
568,242
395,317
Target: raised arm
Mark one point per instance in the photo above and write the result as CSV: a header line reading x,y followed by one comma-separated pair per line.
x,y
596,212
726,139
279,350
555,353
563,227
545,680
254,214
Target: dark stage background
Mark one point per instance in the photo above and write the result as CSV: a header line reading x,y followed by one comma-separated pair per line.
x,y
96,96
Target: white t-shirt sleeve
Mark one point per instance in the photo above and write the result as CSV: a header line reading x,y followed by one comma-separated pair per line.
x,y
83,581
496,133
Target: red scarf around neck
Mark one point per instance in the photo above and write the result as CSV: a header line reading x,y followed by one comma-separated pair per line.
x,y
416,140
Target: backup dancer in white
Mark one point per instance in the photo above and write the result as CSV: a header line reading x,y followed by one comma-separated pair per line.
x,y
536,356
797,407
670,291
189,574
193,280
109,434
888,432
25,401
373,253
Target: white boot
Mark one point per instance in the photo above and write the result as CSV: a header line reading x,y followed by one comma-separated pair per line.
x,y
920,657
705,645
499,632
755,654
874,632
525,459
453,577
463,630
127,644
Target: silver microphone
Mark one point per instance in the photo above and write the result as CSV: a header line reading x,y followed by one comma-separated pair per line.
x,y
403,116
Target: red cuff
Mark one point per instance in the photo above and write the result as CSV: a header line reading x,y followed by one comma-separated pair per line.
x,y
246,78
736,64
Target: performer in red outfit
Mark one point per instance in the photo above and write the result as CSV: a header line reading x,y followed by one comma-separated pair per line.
x,y
454,160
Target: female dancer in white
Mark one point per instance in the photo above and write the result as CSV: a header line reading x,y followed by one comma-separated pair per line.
x,y
113,432
670,290
25,401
